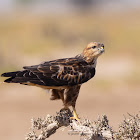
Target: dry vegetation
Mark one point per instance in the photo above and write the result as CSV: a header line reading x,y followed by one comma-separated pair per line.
x,y
43,128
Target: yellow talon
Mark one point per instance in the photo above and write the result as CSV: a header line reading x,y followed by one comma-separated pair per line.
x,y
75,116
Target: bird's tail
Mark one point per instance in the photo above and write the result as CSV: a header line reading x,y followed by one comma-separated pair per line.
x,y
11,76
23,77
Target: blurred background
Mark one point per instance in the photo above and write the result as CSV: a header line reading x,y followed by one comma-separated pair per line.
x,y
32,31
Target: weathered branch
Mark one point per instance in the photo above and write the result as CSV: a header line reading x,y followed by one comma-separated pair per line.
x,y
88,130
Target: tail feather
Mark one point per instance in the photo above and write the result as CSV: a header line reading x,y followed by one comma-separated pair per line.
x,y
21,77
10,74
9,80
15,77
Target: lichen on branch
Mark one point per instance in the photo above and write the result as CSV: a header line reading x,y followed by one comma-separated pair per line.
x,y
43,128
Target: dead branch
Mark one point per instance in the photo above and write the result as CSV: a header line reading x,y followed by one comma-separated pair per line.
x,y
43,128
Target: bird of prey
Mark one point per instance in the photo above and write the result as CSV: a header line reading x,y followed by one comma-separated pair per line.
x,y
63,76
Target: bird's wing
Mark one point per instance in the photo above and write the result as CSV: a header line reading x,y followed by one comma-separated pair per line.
x,y
60,72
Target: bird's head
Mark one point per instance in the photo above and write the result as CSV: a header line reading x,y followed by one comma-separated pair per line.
x,y
92,51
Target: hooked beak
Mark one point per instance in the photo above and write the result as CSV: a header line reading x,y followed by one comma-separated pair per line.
x,y
102,49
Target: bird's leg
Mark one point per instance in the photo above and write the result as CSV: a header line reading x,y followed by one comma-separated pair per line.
x,y
61,94
71,97
75,116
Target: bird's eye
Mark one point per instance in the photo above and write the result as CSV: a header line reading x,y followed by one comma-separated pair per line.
x,y
94,47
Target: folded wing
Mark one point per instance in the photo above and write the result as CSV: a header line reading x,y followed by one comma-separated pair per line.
x,y
60,72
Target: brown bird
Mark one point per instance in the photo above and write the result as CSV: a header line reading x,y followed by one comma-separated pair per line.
x,y
63,76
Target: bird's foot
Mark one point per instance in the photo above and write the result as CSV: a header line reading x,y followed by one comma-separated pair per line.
x,y
75,116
